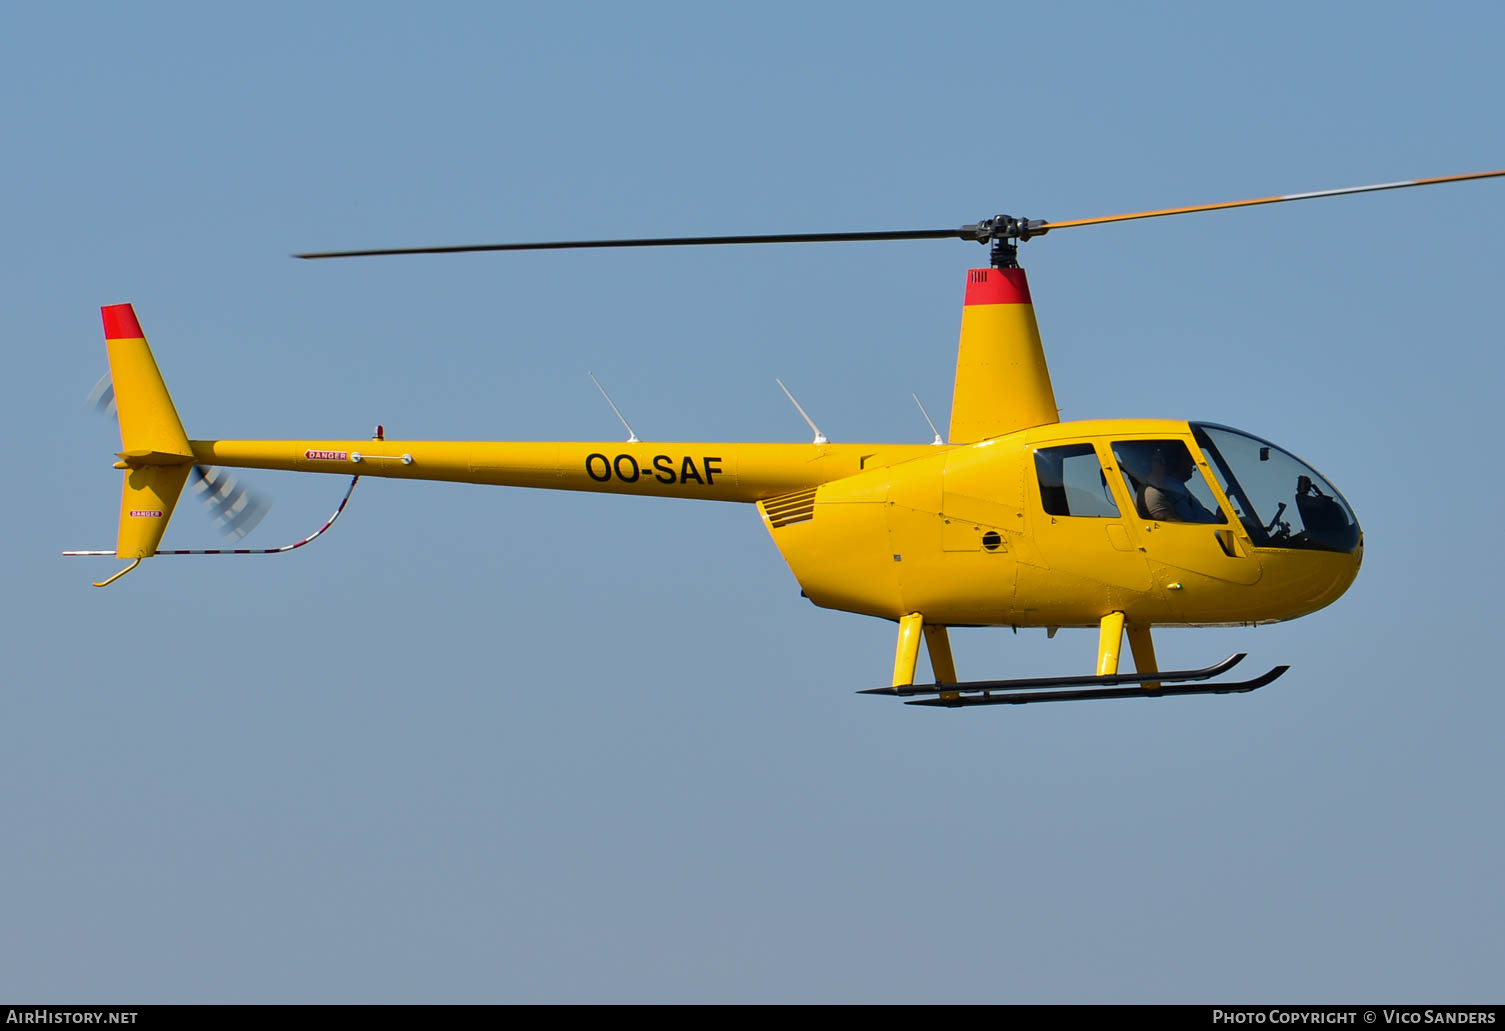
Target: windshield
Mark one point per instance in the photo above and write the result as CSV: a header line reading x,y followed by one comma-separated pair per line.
x,y
1281,501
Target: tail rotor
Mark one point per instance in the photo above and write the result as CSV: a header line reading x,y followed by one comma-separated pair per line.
x,y
232,505
158,459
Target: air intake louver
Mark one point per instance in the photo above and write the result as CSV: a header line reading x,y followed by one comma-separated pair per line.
x,y
791,508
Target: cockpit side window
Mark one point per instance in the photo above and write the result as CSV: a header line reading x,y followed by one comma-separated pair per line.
x,y
1164,482
1072,482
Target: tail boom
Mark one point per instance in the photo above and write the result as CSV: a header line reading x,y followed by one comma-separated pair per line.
x,y
716,471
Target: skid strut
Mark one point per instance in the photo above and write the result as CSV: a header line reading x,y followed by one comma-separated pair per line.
x,y
911,628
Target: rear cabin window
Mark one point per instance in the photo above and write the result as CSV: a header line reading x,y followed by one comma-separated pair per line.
x,y
1072,482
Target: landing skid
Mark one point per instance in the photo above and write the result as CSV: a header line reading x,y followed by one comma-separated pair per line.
x,y
1056,689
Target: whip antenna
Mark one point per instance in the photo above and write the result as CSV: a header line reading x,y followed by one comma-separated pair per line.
x,y
632,438
926,414
820,438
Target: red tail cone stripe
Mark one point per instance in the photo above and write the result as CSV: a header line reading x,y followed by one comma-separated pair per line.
x,y
120,322
997,286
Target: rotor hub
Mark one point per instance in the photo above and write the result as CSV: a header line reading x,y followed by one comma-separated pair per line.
x,y
1004,233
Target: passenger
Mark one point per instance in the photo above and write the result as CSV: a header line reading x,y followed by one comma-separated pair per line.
x,y
1165,494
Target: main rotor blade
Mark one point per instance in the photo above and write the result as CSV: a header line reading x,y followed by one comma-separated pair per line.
x,y
962,233
1049,226
1001,227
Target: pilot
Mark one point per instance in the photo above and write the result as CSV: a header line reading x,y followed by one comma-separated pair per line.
x,y
1165,494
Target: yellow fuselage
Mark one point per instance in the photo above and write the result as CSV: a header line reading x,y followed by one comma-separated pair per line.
x,y
1020,521
960,533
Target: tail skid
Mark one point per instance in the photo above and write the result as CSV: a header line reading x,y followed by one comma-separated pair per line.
x,y
232,551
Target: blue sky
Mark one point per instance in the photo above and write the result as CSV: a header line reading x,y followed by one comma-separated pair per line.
x,y
491,745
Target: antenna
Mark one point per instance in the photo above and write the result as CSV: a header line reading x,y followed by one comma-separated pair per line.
x,y
632,438
926,414
820,438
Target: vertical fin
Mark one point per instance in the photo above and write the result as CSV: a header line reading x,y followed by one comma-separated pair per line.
x,y
155,449
148,420
1002,382
146,504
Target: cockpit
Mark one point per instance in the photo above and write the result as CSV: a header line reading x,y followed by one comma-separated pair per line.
x,y
1195,523
1281,501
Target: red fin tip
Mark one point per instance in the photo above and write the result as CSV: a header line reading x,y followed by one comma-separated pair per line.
x,y
120,322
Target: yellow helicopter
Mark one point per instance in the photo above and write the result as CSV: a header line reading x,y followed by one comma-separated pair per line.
x,y
1015,520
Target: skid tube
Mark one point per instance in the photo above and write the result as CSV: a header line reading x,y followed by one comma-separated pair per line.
x,y
1089,688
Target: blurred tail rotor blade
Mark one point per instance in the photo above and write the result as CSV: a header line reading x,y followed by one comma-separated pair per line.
x,y
102,397
234,507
